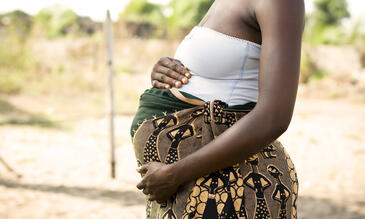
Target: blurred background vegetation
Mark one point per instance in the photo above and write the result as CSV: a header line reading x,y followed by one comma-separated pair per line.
x,y
57,52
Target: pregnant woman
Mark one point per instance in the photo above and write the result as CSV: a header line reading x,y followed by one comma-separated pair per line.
x,y
205,135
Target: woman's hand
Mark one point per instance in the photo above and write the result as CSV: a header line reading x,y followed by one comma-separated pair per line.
x,y
159,182
169,72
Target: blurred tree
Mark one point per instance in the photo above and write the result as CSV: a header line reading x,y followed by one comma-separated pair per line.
x,y
16,23
57,20
142,11
187,13
323,25
15,57
330,12
144,19
176,16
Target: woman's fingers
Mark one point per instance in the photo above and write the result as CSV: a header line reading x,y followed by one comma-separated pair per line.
x,y
176,66
161,202
154,198
176,60
169,72
165,79
145,191
140,185
185,70
157,84
158,200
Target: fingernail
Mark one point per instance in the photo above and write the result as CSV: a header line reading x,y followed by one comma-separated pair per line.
x,y
185,80
167,86
177,84
188,75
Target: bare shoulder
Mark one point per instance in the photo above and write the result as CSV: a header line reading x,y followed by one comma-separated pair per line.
x,y
280,5
282,15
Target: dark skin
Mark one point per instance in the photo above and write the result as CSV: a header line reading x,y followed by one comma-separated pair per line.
x,y
278,26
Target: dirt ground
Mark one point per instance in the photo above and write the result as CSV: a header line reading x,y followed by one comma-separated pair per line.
x,y
66,170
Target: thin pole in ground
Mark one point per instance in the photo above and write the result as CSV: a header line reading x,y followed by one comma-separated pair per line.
x,y
109,52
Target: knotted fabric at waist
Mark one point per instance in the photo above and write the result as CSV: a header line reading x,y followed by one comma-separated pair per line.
x,y
156,102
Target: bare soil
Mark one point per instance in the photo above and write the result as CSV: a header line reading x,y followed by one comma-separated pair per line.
x,y
66,171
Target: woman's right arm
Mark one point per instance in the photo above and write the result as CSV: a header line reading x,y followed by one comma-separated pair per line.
x,y
169,72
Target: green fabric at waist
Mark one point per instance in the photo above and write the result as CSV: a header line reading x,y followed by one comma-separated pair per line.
x,y
156,102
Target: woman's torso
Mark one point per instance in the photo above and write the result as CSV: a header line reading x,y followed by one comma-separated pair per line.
x,y
222,67
223,53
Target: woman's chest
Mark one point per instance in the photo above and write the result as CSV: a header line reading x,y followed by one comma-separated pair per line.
x,y
234,18
212,54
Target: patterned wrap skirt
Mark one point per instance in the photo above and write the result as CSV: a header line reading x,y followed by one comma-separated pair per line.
x,y
169,125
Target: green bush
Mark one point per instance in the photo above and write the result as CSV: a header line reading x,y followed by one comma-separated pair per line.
x,y
333,35
56,21
16,61
144,19
142,11
330,12
10,83
178,16
187,13
15,55
323,25
16,23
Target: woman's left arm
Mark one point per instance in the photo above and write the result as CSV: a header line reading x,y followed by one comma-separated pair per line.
x,y
281,23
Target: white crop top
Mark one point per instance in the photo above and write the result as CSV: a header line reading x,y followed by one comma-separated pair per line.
x,y
223,67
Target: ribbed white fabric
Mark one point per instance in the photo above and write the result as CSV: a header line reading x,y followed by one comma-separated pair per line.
x,y
222,67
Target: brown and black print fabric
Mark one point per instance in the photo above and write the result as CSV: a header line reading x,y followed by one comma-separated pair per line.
x,y
261,187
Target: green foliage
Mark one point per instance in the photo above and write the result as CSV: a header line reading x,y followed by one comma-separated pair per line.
x,y
10,83
142,11
14,55
16,22
323,25
333,35
15,60
43,17
56,21
144,19
187,13
330,12
176,16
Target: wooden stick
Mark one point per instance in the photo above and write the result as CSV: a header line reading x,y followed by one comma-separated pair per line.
x,y
109,48
9,168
